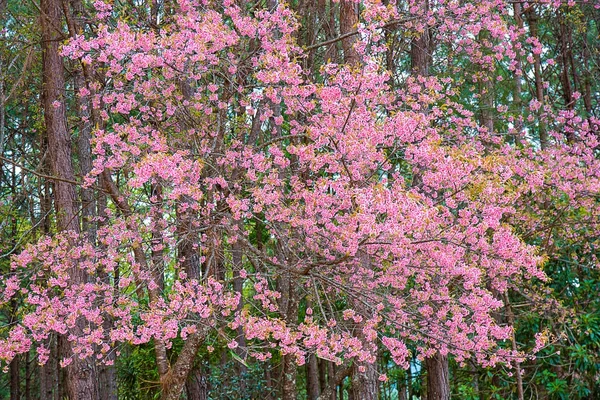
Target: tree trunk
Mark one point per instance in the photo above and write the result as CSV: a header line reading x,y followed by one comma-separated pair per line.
x,y
537,69
486,93
196,387
565,62
438,382
28,376
15,382
335,376
511,322
174,381
49,373
313,388
365,384
349,23
518,88
81,374
288,303
420,57
421,47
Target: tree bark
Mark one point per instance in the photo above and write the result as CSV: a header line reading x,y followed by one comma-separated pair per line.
x,y
518,88
174,381
420,57
196,386
28,376
532,20
421,47
312,378
82,378
565,61
333,381
289,372
486,93
49,373
15,381
349,23
365,384
438,382
511,322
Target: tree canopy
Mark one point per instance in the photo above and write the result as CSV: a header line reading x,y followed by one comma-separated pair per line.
x,y
305,199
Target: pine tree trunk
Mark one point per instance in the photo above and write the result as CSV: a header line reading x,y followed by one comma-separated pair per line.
x,y
82,378
312,378
438,382
349,23
517,91
532,20
14,377
365,385
421,47
28,376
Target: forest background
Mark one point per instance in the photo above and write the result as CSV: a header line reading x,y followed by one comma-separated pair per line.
x,y
310,199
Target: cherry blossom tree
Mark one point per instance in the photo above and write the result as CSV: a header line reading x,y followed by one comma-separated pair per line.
x,y
244,179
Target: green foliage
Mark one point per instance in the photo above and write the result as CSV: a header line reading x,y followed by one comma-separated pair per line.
x,y
137,374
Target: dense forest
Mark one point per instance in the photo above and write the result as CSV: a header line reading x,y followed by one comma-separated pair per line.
x,y
311,199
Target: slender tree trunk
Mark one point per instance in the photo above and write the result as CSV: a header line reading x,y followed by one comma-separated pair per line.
x,y
511,322
335,377
587,78
402,392
107,378
174,381
289,372
312,378
518,87
158,265
332,382
49,373
565,62
28,376
532,20
322,366
15,379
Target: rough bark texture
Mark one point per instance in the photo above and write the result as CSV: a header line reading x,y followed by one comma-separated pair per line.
x,y
196,386
420,49
349,23
49,373
28,377
365,384
438,383
288,388
312,378
81,374
15,386
174,381
333,381
566,62
420,58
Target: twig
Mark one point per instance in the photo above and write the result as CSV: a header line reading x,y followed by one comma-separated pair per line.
x,y
350,34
